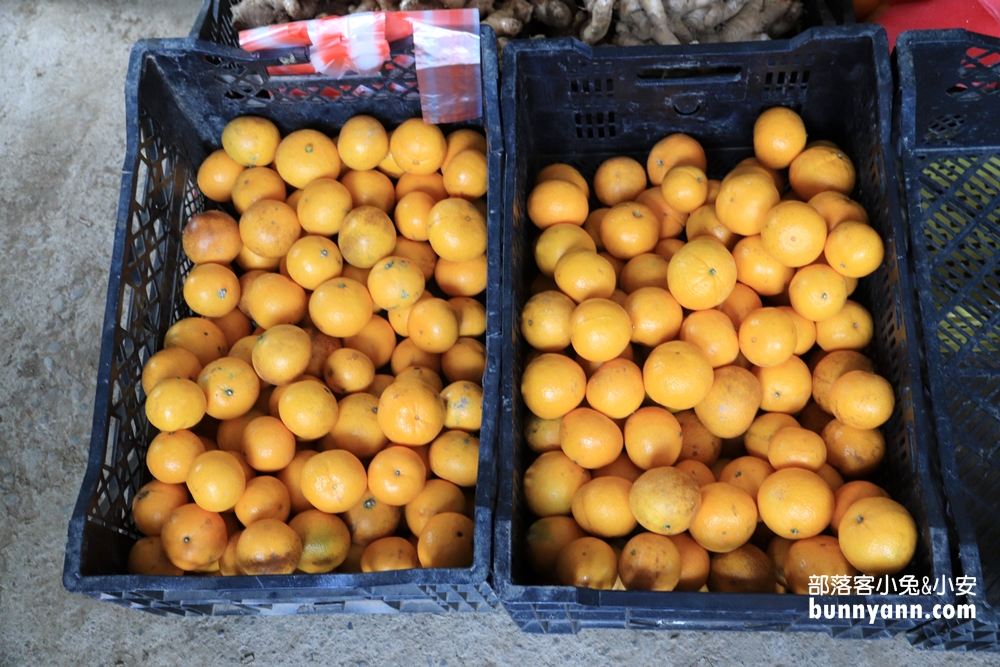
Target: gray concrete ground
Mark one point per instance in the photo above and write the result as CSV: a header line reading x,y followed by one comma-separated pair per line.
x,y
62,140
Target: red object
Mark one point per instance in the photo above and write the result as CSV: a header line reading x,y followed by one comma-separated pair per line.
x,y
981,16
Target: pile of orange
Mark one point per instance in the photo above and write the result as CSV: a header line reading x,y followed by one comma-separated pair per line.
x,y
321,410
698,386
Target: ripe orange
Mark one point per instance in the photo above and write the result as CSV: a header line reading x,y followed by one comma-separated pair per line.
x,y
704,223
388,554
702,274
153,504
786,387
616,389
746,472
432,326
619,179
729,407
877,536
255,185
552,385
312,260
757,269
265,497
269,546
323,205
854,452
817,292
813,557
671,220
193,537
652,438
758,437
466,360
411,215
305,155
362,143
454,456
170,455
744,200
677,375
148,557
269,228
275,299
396,475
308,409
446,541
216,481
376,340
174,362
175,404
650,562
461,140
671,151
850,493
334,481
836,208
325,541
545,321
356,429
217,175
850,329
251,141
805,330
235,326
370,519
437,496
685,188
366,236
654,314
291,477
741,302
830,368
587,562
854,249
589,438
698,471
268,444
795,503
794,447
726,519
466,174
340,307
542,435
645,270
556,241
410,412
546,538
601,507
592,225
862,399
461,278
562,172
694,563
600,329
408,354
821,168
794,234
456,230
431,184
212,236
551,481
665,500
620,467
198,336
418,147
713,333
231,387
743,570
281,354
629,229
555,202
471,315
767,337
779,135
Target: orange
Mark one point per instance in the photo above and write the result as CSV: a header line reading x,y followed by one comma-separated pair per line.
x,y
431,184
305,155
174,362
862,399
268,444
556,241
830,475
850,329
251,141
677,375
274,299
269,228
408,354
654,314
175,404
371,519
671,151
456,230
269,546
422,374
600,329
370,188
153,504
246,281
743,570
348,371
217,175
592,225
542,435
281,353
545,321
650,562
555,202
652,438
694,563
418,252
366,236
713,191
396,475
340,307
460,140
411,215
212,236
562,172
362,143
231,387
466,174
830,368
821,168
629,229
546,538
850,493
235,326
583,274
779,135
616,389
685,188
463,405
216,481
325,541
334,481
746,472
704,223
854,249
813,557
418,147
854,452
726,519
356,429
312,260
601,507
620,467
411,413
817,292
671,220
198,336
619,179
148,557
265,497
767,337
741,302
437,496
552,385
376,341
805,330
777,551
786,387
665,500
712,332
255,185
744,200
793,234
379,385
753,164
461,278
795,503
229,436
877,536
758,270
758,437
446,541
550,483
730,406
249,261
698,471
388,554
323,205
471,315
836,208
795,447
193,537
395,282
308,409
291,477
587,562
432,326
702,274
589,438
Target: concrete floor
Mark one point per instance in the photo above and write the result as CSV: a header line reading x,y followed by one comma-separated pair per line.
x,y
62,142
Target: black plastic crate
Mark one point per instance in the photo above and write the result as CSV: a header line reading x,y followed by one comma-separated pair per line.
x,y
949,147
215,20
179,96
565,102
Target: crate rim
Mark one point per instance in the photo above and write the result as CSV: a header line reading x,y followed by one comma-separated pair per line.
x,y
324,586
795,606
